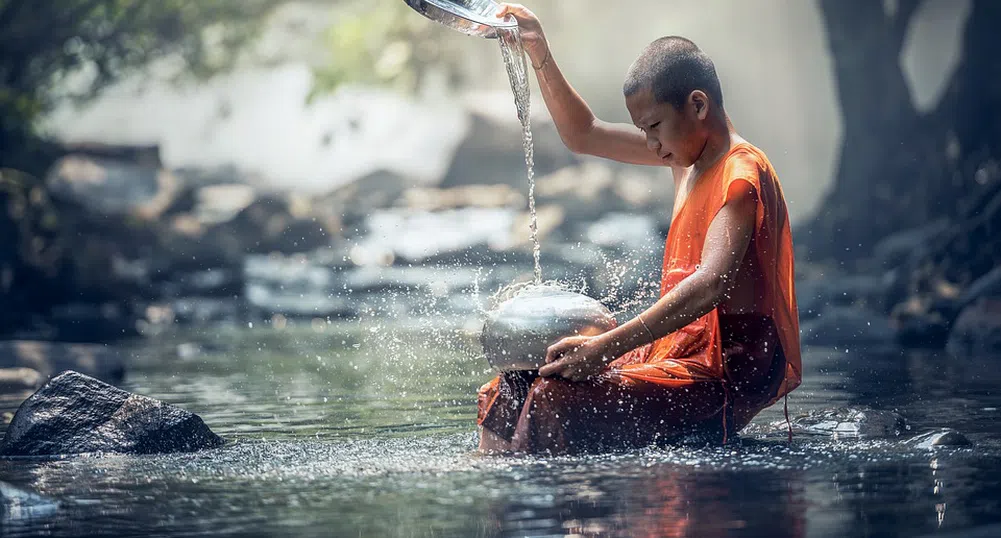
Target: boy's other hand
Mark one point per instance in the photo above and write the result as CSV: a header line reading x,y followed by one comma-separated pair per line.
x,y
532,36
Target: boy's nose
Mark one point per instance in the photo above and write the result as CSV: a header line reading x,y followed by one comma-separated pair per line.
x,y
653,144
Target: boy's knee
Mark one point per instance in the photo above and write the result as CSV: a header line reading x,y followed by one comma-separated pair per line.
x,y
550,389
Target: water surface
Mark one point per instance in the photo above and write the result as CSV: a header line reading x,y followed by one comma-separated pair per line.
x,y
367,430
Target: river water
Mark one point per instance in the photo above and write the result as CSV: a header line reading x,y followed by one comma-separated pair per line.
x,y
367,430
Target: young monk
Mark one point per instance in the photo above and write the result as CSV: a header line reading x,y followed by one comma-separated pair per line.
x,y
722,342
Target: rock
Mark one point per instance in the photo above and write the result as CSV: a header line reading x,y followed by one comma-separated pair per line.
x,y
944,437
422,237
215,204
595,188
918,325
107,186
626,231
847,422
433,199
17,504
298,304
271,224
897,248
93,323
75,414
217,282
293,286
977,330
987,286
50,358
353,202
492,153
548,219
19,379
847,325
199,310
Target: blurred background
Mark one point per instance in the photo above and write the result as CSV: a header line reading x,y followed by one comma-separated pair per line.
x,y
225,161
290,216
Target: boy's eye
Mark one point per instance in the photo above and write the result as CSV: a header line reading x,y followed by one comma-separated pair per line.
x,y
654,125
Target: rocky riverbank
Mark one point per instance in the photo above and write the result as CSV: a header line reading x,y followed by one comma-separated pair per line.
x,y
111,244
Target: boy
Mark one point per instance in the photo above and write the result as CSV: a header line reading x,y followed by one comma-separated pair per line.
x,y
722,342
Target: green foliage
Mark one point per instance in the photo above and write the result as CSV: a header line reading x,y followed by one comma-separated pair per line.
x,y
74,48
386,43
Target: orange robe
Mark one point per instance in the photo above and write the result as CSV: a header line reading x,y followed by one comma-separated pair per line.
x,y
710,377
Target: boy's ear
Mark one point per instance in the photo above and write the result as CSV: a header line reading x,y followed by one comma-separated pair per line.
x,y
699,102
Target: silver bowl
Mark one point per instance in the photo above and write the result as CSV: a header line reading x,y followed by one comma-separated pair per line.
x,y
472,17
518,332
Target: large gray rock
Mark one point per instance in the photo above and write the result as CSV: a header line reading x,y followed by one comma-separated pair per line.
x,y
113,187
76,414
50,358
492,153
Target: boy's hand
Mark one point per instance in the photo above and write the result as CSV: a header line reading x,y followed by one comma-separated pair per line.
x,y
532,37
576,358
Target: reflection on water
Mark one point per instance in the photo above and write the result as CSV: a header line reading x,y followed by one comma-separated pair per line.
x,y
370,433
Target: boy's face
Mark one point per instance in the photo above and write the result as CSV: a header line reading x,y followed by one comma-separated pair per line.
x,y
676,136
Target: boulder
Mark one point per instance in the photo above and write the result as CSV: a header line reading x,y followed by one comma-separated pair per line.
x,y
75,414
626,231
977,330
351,203
492,153
50,358
106,186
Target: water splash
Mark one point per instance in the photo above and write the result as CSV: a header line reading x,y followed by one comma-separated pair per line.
x,y
517,71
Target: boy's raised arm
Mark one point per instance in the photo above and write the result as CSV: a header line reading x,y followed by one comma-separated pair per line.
x,y
580,130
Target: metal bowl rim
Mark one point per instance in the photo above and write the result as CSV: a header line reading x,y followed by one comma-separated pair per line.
x,y
508,22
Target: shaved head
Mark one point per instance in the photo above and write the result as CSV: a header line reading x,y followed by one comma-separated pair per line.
x,y
673,67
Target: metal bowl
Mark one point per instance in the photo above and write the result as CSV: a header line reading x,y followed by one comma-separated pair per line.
x,y
518,332
472,17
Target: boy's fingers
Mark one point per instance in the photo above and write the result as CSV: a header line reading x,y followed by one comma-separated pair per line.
x,y
552,368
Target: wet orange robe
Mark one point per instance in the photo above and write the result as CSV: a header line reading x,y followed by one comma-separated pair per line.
x,y
696,379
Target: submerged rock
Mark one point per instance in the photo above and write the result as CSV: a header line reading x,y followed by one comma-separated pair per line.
x,y
49,358
850,422
75,414
944,437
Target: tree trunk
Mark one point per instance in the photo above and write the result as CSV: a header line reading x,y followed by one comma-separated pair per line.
x,y
889,152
